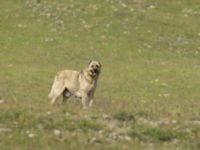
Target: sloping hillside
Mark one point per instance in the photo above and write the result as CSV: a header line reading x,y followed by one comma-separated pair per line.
x,y
148,92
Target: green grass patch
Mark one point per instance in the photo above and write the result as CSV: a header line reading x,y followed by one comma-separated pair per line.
x,y
149,50
160,134
124,116
87,125
12,114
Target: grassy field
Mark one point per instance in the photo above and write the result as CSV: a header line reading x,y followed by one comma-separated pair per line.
x,y
148,93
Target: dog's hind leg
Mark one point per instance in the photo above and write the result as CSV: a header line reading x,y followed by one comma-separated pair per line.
x,y
53,100
56,96
56,91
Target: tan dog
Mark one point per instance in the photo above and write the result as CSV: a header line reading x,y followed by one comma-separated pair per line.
x,y
81,84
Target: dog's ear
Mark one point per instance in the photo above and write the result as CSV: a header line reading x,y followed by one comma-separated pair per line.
x,y
100,64
89,62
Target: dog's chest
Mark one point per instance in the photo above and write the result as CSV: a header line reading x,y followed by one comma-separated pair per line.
x,y
87,86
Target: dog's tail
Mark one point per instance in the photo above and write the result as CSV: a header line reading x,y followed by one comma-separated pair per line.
x,y
54,88
51,92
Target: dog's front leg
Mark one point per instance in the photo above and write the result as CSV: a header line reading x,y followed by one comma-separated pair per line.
x,y
84,100
91,98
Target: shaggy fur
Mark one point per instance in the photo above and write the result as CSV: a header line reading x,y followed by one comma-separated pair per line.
x,y
81,84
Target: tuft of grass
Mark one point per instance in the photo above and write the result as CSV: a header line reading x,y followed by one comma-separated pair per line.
x,y
137,135
160,134
88,125
11,114
123,116
143,114
150,54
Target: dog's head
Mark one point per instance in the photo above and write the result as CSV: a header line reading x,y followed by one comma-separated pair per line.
x,y
94,68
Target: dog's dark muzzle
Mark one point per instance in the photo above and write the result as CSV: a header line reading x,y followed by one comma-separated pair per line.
x,y
94,72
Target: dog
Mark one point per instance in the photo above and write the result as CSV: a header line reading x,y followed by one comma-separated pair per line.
x,y
81,84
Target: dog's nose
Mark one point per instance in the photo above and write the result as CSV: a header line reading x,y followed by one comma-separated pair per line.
x,y
96,70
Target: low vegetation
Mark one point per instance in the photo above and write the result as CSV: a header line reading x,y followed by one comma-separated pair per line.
x,y
148,92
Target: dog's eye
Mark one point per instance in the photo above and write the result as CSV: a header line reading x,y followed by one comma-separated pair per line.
x,y
92,66
97,66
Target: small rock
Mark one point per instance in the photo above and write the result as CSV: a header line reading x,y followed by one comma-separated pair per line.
x,y
49,40
10,65
107,25
2,101
127,138
49,113
74,134
57,132
132,9
19,25
195,122
174,121
113,124
123,5
175,141
94,140
101,132
166,95
105,116
150,144
31,135
48,15
40,126
152,7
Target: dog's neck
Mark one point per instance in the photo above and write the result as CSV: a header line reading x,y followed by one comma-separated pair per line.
x,y
90,79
